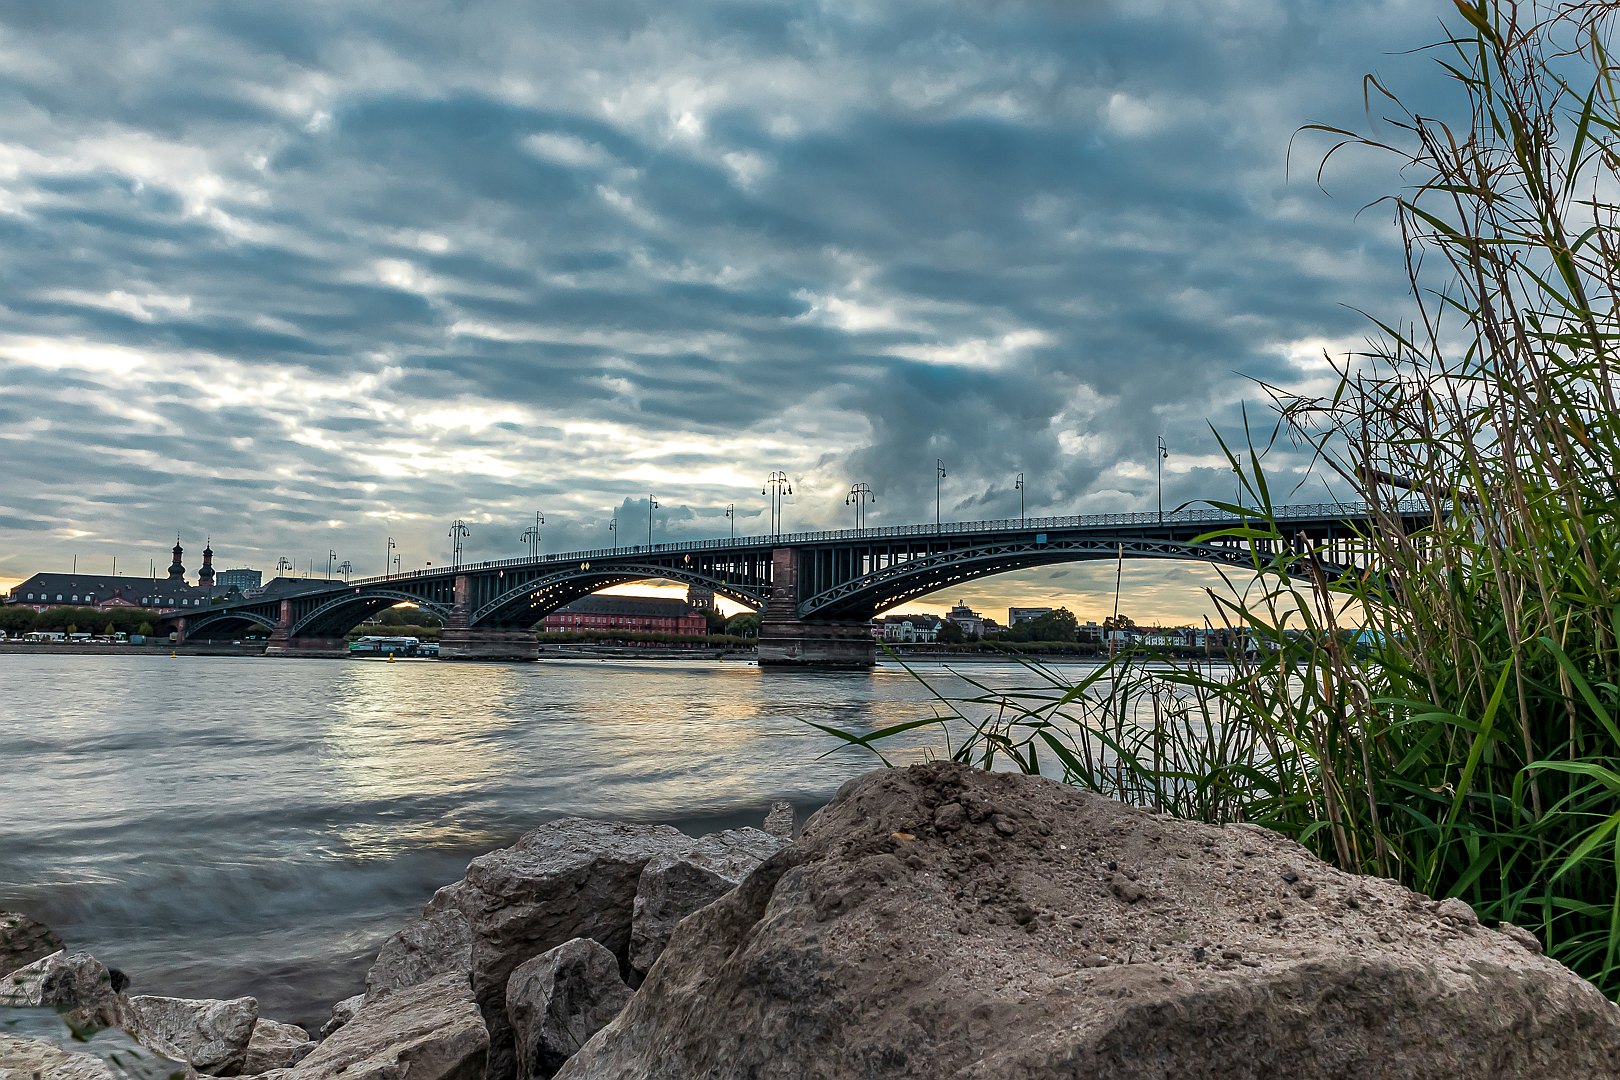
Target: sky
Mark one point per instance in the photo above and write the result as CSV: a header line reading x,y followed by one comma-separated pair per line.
x,y
300,277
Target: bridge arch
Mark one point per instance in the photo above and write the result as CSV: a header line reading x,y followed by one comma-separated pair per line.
x,y
531,601
887,586
347,610
235,621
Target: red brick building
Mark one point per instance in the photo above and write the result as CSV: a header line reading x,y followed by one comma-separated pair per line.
x,y
641,614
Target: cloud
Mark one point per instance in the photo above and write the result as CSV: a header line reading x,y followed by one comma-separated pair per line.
x,y
305,277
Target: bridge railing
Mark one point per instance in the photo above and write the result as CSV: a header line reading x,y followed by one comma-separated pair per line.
x,y
1298,514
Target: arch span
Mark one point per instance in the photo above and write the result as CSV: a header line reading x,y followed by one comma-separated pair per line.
x,y
528,603
896,583
342,613
234,623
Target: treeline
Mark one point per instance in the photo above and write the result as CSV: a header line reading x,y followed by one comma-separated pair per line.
x,y
609,637
16,620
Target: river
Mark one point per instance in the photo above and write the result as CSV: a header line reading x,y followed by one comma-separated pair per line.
x,y
224,826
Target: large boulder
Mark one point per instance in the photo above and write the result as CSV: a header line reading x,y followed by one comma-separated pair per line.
x,y
342,1013
570,878
430,1031
76,983
942,922
433,945
23,941
212,1035
675,884
781,820
275,1045
558,1000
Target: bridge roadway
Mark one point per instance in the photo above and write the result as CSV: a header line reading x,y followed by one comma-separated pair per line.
x,y
817,591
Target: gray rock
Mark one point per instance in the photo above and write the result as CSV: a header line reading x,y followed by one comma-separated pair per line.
x,y
781,820
23,941
429,946
42,1043
430,1031
342,1013
76,983
212,1035
275,1045
558,1000
1050,933
675,884
570,878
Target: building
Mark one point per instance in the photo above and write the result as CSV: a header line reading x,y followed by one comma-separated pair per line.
x,y
1016,615
699,597
971,622
912,629
640,614
241,579
44,591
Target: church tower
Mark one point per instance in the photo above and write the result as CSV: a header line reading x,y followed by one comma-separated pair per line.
x,y
177,570
205,576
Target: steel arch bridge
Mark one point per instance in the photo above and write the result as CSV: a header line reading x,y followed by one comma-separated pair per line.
x,y
809,586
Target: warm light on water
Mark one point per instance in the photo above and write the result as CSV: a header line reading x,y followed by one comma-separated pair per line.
x,y
220,826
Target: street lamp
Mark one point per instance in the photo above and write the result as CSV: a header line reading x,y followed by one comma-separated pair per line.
x,y
531,535
652,504
283,565
396,565
345,568
458,532
731,518
859,495
389,556
777,486
613,528
331,558
1163,453
939,474
1018,484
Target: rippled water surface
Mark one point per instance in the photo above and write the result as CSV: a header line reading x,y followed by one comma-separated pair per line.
x,y
227,826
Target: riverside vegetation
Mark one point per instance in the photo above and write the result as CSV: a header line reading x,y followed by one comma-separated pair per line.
x,y
1452,718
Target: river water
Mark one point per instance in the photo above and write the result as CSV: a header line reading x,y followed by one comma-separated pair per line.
x,y
224,826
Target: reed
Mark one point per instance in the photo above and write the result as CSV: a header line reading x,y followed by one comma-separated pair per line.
x,y
1446,715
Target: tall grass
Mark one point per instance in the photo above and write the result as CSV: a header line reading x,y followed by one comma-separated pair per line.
x,y
1451,716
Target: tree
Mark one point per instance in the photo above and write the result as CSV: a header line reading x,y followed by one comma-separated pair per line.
x,y
16,620
743,625
715,622
950,634
109,630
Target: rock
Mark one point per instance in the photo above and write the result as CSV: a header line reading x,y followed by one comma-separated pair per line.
x,y
558,1000
76,983
430,946
212,1035
40,1042
675,884
342,1013
275,1046
430,1031
781,820
884,944
570,878
23,941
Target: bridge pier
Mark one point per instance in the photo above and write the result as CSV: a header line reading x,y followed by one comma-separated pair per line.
x,y
478,643
785,640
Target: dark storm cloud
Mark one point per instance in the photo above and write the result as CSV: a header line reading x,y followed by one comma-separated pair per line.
x,y
311,275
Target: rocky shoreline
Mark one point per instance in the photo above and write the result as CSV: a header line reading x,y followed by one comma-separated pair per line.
x,y
930,922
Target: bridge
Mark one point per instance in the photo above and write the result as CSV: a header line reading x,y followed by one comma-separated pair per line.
x,y
816,591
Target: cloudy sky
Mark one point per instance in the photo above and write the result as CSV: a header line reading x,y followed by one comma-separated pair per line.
x,y
305,275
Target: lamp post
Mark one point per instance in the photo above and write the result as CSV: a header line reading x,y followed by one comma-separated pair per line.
x,y
1018,485
859,495
331,559
283,565
389,556
939,474
531,535
731,518
652,504
776,487
396,565
458,532
613,531
1164,452
345,568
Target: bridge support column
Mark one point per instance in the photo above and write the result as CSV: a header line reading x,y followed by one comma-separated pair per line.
x,y
785,640
478,643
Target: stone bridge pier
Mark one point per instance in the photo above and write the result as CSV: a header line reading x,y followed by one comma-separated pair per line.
x,y
786,640
458,641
